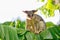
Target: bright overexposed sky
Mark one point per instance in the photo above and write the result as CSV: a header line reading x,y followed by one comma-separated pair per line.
x,y
12,9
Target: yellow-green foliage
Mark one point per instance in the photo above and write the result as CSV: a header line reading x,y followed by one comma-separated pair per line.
x,y
49,8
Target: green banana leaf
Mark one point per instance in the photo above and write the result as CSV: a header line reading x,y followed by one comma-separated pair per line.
x,y
13,33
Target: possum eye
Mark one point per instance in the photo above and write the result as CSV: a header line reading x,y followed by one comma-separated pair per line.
x,y
29,15
32,14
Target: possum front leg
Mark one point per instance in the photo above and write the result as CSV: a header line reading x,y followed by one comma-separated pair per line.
x,y
29,26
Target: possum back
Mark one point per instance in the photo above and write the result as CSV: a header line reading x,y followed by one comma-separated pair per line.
x,y
39,24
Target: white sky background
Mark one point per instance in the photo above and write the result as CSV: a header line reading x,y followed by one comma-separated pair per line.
x,y
12,9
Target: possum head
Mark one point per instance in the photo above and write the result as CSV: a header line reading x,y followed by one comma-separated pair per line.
x,y
30,13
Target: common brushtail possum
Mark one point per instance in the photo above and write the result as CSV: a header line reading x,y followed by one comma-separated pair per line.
x,y
34,22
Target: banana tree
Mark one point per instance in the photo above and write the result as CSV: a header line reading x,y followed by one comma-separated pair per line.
x,y
16,30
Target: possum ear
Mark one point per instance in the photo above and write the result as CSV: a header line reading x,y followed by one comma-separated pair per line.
x,y
25,11
34,11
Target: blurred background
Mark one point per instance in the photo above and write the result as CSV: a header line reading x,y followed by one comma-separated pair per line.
x,y
10,10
